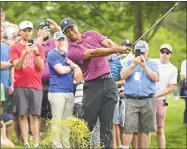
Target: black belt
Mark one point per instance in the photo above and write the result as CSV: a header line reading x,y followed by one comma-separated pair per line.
x,y
138,97
105,76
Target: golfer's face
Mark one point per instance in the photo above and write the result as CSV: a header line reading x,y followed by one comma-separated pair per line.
x,y
72,33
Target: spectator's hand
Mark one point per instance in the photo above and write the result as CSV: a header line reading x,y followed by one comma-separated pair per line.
x,y
27,50
137,60
143,61
122,94
53,24
35,49
11,90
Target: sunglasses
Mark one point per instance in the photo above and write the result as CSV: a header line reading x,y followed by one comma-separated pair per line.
x,y
167,52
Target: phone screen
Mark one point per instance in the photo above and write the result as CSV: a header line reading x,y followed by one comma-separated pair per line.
x,y
47,23
5,37
137,52
30,42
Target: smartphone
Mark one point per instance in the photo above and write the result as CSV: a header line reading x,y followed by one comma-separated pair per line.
x,y
47,23
137,52
5,37
30,42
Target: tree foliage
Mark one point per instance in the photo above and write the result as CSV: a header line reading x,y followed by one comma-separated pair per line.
x,y
117,20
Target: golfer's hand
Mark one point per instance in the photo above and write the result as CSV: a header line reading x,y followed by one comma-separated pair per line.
x,y
124,50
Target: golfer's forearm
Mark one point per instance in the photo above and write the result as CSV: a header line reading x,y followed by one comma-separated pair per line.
x,y
99,52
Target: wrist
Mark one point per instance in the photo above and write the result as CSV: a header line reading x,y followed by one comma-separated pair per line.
x,y
133,65
37,54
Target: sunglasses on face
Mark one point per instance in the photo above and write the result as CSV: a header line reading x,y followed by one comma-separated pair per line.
x,y
167,52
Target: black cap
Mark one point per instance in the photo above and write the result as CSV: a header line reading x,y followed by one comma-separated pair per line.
x,y
44,24
126,42
66,23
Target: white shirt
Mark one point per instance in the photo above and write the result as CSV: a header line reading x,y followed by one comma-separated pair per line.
x,y
183,68
168,75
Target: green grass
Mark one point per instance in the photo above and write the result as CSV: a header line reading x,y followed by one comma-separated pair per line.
x,y
175,130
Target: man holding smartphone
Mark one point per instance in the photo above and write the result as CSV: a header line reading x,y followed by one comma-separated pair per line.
x,y
140,75
28,62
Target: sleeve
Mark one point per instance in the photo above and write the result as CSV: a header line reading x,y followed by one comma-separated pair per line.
x,y
183,68
13,54
53,59
125,65
76,54
99,37
173,77
155,67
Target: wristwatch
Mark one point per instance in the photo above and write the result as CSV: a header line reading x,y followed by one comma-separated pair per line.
x,y
132,65
37,54
75,66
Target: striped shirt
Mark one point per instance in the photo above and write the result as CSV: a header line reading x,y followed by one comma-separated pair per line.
x,y
115,66
79,93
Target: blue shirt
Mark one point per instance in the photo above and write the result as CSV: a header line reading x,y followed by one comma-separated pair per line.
x,y
59,82
115,66
138,83
5,74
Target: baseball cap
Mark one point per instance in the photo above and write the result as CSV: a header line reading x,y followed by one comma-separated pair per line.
x,y
45,24
65,23
126,42
59,35
142,45
25,24
166,46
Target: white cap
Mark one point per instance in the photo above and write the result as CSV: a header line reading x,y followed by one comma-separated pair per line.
x,y
25,24
142,45
166,46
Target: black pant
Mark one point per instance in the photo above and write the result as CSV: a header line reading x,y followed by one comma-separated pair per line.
x,y
185,111
46,107
99,99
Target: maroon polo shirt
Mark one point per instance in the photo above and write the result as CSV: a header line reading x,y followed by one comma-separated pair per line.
x,y
94,67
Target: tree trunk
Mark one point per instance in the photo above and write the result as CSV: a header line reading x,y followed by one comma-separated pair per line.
x,y
138,28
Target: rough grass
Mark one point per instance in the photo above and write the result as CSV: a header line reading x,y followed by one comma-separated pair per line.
x,y
175,130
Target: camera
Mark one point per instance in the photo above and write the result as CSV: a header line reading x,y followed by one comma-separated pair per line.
x,y
137,52
30,42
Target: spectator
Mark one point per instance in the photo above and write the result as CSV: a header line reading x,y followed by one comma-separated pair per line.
x,y
167,83
10,28
116,67
61,87
5,142
87,50
140,75
183,90
7,79
28,61
44,39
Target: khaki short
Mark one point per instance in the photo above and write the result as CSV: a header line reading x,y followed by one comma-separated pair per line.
x,y
140,115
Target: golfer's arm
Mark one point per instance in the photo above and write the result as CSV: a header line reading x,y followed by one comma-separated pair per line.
x,y
108,43
99,52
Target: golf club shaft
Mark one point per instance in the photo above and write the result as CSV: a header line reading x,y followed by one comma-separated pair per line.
x,y
154,24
